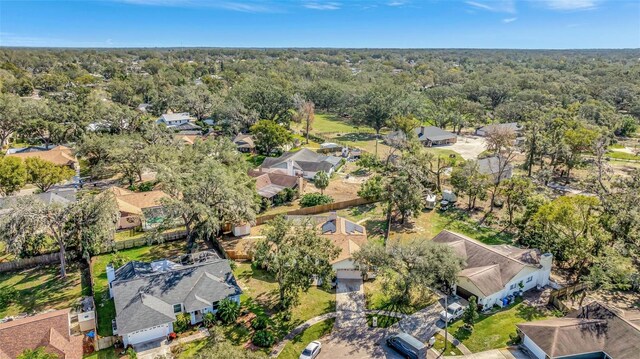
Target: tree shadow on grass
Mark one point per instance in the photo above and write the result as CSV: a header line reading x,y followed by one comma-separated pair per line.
x,y
362,209
529,313
462,334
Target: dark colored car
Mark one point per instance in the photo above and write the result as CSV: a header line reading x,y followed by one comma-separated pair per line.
x,y
407,345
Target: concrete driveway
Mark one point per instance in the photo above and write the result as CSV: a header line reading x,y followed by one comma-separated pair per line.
x,y
353,338
469,147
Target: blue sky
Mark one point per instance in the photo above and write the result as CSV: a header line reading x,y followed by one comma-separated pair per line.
x,y
550,24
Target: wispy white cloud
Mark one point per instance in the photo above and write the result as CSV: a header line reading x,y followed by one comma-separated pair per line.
x,y
510,19
506,6
396,3
242,6
571,5
322,5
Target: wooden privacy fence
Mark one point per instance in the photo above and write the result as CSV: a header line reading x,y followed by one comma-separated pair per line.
x,y
30,262
143,241
555,297
316,209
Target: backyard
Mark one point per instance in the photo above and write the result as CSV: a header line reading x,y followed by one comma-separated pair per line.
x,y
496,330
41,288
104,305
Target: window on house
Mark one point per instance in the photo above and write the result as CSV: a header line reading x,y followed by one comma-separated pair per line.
x,y
529,279
513,286
177,308
215,306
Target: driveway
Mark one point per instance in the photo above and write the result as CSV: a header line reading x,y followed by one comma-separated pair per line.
x,y
469,147
353,338
350,304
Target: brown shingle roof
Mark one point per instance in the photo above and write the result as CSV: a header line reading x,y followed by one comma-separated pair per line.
x,y
593,329
60,155
490,268
269,184
135,202
49,330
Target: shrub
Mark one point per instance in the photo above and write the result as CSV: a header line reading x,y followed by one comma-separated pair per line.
x,y
263,338
228,310
314,199
260,322
182,322
209,319
8,296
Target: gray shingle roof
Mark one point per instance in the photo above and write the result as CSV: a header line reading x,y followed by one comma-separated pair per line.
x,y
491,165
304,159
144,297
513,126
432,133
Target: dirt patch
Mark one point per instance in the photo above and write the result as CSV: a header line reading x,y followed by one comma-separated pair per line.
x,y
340,188
469,147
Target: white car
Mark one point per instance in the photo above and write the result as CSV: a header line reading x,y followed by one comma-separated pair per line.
x,y
311,351
453,312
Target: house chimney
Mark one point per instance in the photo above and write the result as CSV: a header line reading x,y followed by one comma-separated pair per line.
x,y
300,186
290,170
546,261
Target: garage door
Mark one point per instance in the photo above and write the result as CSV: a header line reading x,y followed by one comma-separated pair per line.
x,y
150,334
348,274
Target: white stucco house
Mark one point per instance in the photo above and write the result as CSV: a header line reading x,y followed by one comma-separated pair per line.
x,y
494,272
149,296
175,119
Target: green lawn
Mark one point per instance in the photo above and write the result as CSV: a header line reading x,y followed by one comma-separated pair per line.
x,y
439,346
259,288
293,349
189,350
109,353
494,331
622,155
254,160
42,288
105,307
325,123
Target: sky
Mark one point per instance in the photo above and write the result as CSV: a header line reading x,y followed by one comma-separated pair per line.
x,y
521,24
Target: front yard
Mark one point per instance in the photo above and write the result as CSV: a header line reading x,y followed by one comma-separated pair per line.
x,y
41,288
105,308
377,300
496,330
293,349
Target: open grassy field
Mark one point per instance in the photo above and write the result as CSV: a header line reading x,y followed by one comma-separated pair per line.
x,y
495,330
42,288
325,123
293,349
105,307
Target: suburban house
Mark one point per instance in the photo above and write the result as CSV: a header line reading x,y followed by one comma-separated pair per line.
x,y
51,331
139,209
148,296
172,120
269,184
427,135
59,155
59,196
593,332
244,143
346,235
187,129
188,139
492,166
304,162
511,126
493,272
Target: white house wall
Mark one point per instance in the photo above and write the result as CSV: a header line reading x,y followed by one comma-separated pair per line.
x,y
533,348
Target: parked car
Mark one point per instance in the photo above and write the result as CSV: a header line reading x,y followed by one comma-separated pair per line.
x,y
311,351
453,312
407,345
